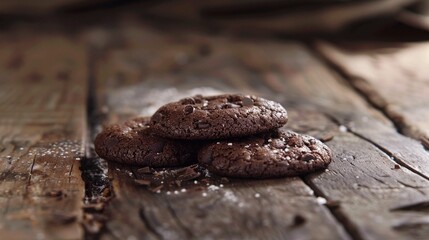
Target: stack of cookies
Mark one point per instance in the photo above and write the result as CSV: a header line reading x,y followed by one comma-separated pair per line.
x,y
230,135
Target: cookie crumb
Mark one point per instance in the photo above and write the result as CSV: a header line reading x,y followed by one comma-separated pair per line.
x,y
333,204
397,166
326,138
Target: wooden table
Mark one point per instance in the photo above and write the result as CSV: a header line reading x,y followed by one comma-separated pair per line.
x,y
59,83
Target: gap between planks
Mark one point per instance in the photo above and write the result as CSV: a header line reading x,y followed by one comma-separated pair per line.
x,y
375,73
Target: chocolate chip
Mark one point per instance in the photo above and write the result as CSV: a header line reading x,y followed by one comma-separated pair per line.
x,y
157,117
247,102
307,157
229,105
189,175
188,109
187,101
234,98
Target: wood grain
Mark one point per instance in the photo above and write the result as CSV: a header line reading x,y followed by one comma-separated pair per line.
x,y
363,183
250,209
393,79
42,129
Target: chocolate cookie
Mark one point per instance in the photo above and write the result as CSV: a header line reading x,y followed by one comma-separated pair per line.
x,y
278,154
218,117
133,143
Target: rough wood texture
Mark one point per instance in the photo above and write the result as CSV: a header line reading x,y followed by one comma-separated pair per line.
x,y
363,184
393,79
42,129
249,209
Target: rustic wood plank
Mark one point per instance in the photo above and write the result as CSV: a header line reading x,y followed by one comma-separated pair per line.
x,y
394,79
262,209
42,129
362,185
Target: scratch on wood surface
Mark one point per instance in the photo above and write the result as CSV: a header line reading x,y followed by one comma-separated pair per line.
x,y
419,206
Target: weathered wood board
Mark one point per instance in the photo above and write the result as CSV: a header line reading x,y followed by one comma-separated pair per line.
x,y
42,135
204,210
393,78
146,67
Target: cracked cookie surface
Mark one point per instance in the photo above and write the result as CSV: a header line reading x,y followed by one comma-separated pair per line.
x,y
218,117
281,153
134,143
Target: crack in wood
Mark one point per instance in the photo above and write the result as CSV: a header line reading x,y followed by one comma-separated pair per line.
x,y
413,187
29,177
70,172
148,223
371,95
391,155
179,222
98,188
348,225
419,206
